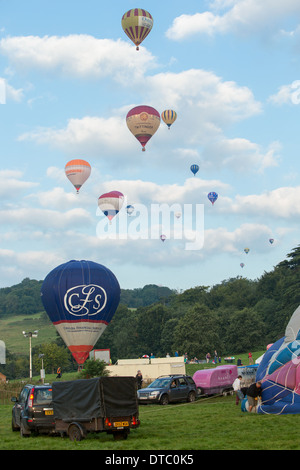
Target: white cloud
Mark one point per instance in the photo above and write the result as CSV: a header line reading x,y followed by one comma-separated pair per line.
x,y
241,17
76,55
12,184
287,94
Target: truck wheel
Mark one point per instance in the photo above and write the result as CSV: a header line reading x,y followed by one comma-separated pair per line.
x,y
191,397
164,400
118,436
75,432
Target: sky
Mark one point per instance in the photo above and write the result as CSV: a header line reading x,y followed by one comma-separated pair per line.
x,y
68,77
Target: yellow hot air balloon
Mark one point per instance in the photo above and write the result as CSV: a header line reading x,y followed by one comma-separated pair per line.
x,y
169,116
78,172
137,24
143,121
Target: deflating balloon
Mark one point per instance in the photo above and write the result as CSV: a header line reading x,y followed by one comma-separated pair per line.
x,y
137,24
169,116
194,169
143,121
212,196
111,203
80,298
78,172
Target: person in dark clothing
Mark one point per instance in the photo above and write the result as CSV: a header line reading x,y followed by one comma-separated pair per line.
x,y
252,393
139,379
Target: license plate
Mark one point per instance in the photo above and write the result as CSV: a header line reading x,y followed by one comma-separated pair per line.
x,y
121,424
48,412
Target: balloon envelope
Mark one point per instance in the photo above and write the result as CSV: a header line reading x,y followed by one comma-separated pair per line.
x,y
246,250
242,265
271,240
137,24
143,121
80,298
169,116
212,196
163,237
78,172
194,169
111,203
129,209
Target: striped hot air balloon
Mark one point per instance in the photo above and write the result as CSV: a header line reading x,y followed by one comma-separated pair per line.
x,y
169,116
137,24
111,203
143,121
78,172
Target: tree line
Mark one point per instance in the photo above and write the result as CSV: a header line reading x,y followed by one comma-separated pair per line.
x,y
234,316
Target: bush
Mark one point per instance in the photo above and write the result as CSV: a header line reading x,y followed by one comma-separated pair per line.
x,y
93,368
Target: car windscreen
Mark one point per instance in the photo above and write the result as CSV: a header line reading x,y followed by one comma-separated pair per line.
x,y
42,396
160,383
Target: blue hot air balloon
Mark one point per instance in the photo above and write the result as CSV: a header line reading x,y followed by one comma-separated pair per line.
x,y
80,298
212,196
194,169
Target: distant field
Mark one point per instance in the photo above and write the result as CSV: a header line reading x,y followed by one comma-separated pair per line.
x,y
11,332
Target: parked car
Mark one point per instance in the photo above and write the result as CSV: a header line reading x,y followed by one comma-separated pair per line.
x,y
169,388
33,410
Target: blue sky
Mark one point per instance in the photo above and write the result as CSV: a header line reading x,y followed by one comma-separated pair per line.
x,y
229,68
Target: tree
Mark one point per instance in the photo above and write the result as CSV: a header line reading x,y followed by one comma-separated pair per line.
x,y
93,368
54,356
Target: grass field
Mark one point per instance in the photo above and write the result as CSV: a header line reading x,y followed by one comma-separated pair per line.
x,y
208,424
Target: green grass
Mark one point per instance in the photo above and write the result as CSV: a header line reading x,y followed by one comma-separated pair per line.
x,y
208,424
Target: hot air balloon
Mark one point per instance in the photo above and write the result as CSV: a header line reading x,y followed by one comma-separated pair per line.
x,y
169,116
177,215
246,250
111,203
271,240
163,237
137,24
194,169
242,265
80,297
143,121
212,196
129,209
78,172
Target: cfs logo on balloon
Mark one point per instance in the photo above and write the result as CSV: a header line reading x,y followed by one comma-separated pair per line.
x,y
85,300
156,221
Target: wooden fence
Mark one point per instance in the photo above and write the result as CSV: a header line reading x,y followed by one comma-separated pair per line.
x,y
5,396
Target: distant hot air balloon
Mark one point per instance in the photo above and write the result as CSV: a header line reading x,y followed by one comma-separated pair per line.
x,y
169,116
212,196
271,240
111,203
177,215
246,250
137,24
80,297
194,169
129,209
242,265
163,237
143,121
78,172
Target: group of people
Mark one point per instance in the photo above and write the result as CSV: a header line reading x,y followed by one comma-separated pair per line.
x,y
252,392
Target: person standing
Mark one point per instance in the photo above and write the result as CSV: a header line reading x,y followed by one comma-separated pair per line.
x,y
237,388
139,379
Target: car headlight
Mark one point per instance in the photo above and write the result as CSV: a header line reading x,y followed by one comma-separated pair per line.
x,y
154,394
